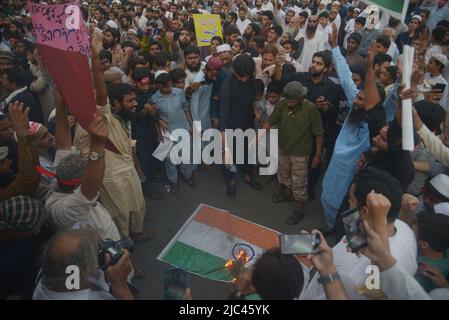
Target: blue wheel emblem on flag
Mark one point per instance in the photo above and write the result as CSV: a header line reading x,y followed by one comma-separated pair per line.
x,y
242,246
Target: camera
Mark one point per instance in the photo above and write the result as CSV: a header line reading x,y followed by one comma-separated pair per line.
x,y
114,249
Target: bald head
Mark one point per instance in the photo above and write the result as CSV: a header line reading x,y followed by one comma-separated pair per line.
x,y
73,248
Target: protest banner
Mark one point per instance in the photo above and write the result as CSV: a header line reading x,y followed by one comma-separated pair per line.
x,y
206,27
63,43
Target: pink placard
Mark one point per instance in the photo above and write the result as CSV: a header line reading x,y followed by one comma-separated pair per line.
x,y
60,26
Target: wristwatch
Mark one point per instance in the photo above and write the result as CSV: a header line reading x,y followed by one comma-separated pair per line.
x,y
331,277
95,156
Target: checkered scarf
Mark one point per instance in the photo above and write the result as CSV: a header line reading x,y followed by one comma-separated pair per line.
x,y
21,214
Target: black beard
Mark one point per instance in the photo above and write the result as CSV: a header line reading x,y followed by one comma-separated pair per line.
x,y
184,45
196,68
356,116
311,29
108,46
126,114
315,74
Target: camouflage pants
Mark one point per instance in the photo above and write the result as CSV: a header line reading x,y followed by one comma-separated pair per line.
x,y
292,173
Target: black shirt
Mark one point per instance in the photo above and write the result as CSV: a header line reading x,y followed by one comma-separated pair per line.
x,y
236,105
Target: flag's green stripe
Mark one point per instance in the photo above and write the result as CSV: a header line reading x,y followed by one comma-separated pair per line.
x,y
197,261
393,5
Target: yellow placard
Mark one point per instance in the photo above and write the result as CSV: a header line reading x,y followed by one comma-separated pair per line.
x,y
206,27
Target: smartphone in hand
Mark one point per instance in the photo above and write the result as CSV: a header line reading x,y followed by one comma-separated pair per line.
x,y
299,244
355,232
176,282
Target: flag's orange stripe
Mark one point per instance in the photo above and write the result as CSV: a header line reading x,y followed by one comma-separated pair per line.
x,y
245,230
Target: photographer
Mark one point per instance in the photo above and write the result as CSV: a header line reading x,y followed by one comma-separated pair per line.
x,y
351,266
85,281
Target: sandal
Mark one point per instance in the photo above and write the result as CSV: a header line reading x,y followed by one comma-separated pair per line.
x,y
295,217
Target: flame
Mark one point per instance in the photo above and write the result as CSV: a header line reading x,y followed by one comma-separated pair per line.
x,y
243,256
229,264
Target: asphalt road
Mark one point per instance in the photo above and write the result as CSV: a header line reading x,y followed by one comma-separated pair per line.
x,y
166,216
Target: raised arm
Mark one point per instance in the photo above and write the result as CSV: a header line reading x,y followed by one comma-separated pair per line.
x,y
100,86
343,71
27,178
92,179
63,138
371,93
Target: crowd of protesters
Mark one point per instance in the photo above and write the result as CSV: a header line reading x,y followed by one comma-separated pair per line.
x,y
324,74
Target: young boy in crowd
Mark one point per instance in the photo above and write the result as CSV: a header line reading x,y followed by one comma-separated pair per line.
x,y
432,234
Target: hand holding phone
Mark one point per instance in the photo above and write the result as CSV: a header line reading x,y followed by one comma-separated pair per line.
x,y
176,284
355,232
299,244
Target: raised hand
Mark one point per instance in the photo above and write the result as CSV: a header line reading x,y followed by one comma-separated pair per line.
x,y
98,130
333,36
323,259
95,41
371,54
378,207
19,118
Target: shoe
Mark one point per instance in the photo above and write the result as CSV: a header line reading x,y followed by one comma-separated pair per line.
x,y
230,191
254,184
173,189
155,195
327,231
295,217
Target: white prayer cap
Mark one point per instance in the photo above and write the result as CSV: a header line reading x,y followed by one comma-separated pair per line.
x,y
132,30
357,9
417,17
442,208
117,2
335,3
441,184
85,4
223,48
440,58
112,24
323,2
159,72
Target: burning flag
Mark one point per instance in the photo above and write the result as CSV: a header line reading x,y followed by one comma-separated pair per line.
x,y
216,244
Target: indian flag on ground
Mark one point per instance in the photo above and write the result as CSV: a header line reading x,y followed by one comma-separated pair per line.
x,y
211,237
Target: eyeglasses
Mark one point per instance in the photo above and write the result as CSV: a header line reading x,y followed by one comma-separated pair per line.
x,y
313,21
